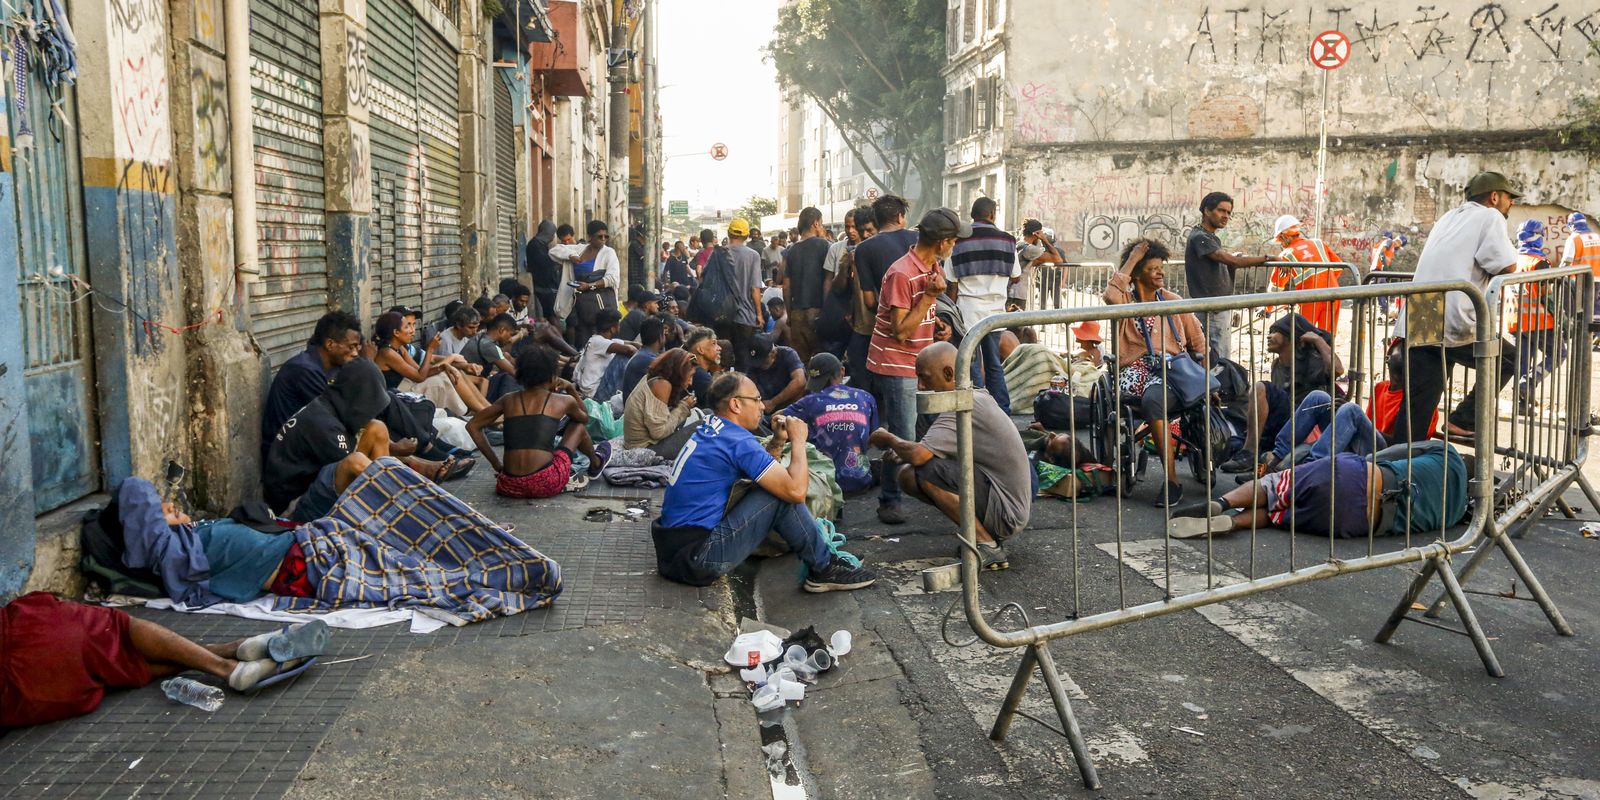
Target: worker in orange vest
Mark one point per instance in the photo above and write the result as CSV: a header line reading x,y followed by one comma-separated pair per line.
x,y
1532,323
1583,247
1383,254
1304,250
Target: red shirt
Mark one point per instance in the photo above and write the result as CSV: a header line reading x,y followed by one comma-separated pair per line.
x,y
903,285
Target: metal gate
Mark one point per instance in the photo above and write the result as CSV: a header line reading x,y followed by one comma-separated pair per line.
x,y
508,242
415,160
286,98
58,371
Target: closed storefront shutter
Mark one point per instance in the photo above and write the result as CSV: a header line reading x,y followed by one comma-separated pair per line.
x,y
416,175
286,100
505,183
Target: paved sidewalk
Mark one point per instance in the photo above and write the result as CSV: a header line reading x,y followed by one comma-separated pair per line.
x,y
610,687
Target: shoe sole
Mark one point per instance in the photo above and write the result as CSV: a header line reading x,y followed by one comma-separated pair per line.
x,y
819,588
308,640
1195,527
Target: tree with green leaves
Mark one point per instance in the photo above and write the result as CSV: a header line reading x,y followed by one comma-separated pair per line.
x,y
873,67
755,208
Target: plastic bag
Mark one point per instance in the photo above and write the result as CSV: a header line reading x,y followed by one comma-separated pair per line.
x,y
453,431
603,426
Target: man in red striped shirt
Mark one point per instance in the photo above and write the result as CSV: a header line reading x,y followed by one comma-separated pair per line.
x,y
904,326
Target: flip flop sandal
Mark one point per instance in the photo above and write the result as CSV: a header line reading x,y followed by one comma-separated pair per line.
x,y
1195,527
459,468
303,641
283,674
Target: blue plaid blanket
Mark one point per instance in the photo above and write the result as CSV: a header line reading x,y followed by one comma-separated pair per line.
x,y
394,539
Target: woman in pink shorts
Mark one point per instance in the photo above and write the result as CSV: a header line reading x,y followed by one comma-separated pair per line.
x,y
544,426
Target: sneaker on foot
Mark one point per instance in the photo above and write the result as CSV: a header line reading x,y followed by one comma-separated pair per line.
x,y
1169,495
891,514
840,577
1243,462
602,456
990,556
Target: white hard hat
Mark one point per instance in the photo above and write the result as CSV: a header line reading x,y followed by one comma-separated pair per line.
x,y
1284,223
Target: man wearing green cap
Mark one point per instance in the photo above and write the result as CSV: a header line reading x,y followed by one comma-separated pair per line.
x,y
1469,243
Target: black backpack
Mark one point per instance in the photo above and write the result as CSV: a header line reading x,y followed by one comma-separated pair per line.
x,y
1057,410
717,298
102,548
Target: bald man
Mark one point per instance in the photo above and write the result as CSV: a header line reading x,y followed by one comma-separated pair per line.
x,y
928,470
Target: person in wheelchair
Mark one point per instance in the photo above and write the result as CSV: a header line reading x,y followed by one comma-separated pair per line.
x,y
1144,341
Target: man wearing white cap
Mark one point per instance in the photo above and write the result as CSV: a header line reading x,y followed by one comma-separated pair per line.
x,y
1305,250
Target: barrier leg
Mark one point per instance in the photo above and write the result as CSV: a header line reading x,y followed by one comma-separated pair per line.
x,y
1589,492
1019,687
1514,529
1038,655
1412,593
1069,721
1469,620
1535,588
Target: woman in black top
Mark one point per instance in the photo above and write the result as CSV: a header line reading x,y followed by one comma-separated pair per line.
x,y
435,378
546,407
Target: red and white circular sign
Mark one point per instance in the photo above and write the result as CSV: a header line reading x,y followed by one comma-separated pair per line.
x,y
872,193
719,151
1330,50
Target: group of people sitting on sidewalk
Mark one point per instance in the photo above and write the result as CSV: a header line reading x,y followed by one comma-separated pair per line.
x,y
354,445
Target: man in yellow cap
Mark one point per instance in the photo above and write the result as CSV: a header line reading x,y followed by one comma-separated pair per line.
x,y
747,284
1305,250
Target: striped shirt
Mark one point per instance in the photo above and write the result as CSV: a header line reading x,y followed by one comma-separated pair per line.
x,y
903,285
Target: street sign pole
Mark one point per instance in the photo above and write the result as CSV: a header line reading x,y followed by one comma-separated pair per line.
x,y
1329,51
1322,155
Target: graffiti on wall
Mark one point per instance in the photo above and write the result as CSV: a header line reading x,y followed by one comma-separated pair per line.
x,y
1494,32
138,45
1043,114
209,92
360,156
355,65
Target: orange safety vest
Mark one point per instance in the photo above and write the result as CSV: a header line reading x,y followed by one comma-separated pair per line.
x,y
1383,254
1583,248
1310,251
1531,314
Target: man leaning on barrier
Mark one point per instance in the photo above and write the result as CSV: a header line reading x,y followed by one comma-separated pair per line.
x,y
1417,487
1468,243
1002,477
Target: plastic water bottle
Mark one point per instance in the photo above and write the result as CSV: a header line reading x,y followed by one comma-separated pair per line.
x,y
193,693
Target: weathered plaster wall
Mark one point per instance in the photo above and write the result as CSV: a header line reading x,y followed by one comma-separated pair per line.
x,y
1097,201
124,106
1136,70
1121,116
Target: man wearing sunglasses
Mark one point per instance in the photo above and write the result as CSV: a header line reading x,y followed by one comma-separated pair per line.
x,y
699,539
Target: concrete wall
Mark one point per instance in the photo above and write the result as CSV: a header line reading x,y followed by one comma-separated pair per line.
x,y
1117,123
1136,70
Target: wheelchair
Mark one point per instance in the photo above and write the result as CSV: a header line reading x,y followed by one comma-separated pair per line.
x,y
1119,431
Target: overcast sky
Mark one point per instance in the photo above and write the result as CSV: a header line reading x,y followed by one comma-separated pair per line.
x,y
715,87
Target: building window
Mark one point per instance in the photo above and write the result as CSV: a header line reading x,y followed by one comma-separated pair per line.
x,y
952,28
993,20
969,20
950,133
969,110
985,87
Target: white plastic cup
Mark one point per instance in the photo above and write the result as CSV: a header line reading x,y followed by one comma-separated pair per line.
x,y
820,661
767,698
789,689
755,675
796,654
839,644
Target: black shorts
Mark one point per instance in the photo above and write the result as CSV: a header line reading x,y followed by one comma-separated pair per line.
x,y
945,473
1279,409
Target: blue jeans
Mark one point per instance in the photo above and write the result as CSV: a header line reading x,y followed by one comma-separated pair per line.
x,y
897,408
990,373
1347,430
746,526
860,378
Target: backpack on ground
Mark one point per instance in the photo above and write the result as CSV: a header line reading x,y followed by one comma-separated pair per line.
x,y
102,548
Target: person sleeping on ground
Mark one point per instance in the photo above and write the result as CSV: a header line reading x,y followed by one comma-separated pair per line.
x,y
58,657
1422,490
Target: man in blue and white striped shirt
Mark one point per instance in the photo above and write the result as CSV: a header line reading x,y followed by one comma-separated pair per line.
x,y
982,267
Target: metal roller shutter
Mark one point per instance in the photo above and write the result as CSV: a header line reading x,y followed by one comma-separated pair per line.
x,y
441,147
505,182
286,98
396,159
416,174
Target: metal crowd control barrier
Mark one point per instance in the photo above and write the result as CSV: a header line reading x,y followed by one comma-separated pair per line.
x,y
1435,551
1543,445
